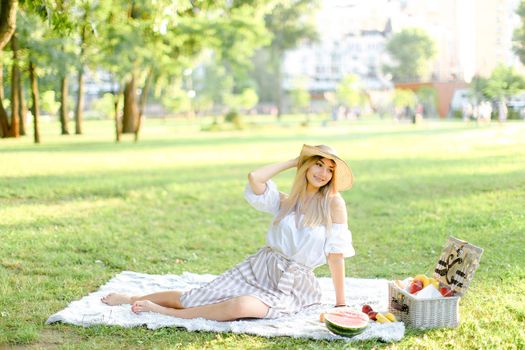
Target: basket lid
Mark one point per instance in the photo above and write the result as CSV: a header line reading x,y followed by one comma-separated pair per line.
x,y
457,264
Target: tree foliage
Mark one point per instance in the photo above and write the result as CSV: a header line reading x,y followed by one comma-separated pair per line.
x,y
411,50
350,92
299,95
143,43
289,23
404,98
503,83
519,33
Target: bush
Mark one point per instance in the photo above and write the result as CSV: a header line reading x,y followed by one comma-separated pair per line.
x,y
103,107
215,126
513,114
48,103
456,113
234,118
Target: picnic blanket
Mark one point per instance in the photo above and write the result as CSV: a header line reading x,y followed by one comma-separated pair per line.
x,y
90,311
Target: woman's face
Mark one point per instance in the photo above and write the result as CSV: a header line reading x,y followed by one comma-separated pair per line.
x,y
320,173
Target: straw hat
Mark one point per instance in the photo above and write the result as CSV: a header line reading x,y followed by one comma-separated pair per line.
x,y
343,173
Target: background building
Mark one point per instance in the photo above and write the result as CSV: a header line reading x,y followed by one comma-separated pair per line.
x,y
472,37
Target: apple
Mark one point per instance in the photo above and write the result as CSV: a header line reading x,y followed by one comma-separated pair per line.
x,y
415,286
424,279
372,315
446,291
366,308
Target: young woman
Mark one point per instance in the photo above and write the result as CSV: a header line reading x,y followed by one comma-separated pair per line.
x,y
309,229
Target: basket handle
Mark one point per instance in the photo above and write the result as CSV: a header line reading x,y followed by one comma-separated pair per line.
x,y
402,307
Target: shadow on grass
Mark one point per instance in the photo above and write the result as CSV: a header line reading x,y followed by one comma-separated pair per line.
x,y
119,183
180,337
218,139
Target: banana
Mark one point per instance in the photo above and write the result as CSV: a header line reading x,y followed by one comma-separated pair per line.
x,y
381,318
391,317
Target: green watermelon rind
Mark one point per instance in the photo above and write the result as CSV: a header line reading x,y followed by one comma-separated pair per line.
x,y
344,331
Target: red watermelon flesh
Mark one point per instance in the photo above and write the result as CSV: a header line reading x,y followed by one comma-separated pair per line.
x,y
347,323
348,312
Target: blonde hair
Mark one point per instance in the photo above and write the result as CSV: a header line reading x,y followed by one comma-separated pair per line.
x,y
317,210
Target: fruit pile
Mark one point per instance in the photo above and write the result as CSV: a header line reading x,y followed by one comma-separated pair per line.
x,y
424,286
377,316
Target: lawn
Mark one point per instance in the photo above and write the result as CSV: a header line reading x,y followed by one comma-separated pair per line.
x,y
76,210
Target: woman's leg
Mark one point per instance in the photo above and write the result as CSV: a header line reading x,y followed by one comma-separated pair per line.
x,y
239,307
170,299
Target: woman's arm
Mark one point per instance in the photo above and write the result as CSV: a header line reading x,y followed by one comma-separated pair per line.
x,y
336,262
258,177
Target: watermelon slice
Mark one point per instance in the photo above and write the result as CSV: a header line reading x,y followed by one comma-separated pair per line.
x,y
345,321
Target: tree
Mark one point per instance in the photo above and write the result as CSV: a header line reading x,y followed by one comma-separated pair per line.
x,y
411,50
404,98
154,42
519,33
245,100
8,10
15,90
87,16
33,35
212,83
427,96
290,22
477,88
141,43
503,83
34,97
65,60
300,97
350,92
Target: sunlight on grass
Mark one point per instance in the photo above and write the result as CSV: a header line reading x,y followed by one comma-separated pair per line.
x,y
76,210
33,213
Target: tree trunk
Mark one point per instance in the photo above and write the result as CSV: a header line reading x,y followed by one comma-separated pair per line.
x,y
63,106
130,112
142,102
7,27
1,77
79,109
22,112
14,129
279,90
7,20
34,95
4,124
116,96
275,62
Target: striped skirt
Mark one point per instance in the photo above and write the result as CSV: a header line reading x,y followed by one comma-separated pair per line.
x,y
284,285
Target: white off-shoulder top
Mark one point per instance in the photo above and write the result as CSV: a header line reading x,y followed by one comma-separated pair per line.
x,y
306,245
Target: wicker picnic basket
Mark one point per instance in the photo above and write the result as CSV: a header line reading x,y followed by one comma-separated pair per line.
x,y
455,268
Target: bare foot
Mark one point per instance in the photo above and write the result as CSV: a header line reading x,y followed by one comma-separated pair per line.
x,y
116,299
144,306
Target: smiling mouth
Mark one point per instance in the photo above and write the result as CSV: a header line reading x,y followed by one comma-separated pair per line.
x,y
319,179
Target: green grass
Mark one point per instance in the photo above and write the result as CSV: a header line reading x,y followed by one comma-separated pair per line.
x,y
76,210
